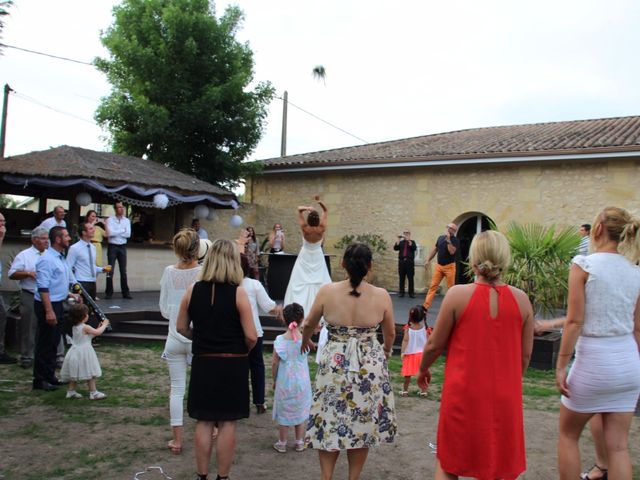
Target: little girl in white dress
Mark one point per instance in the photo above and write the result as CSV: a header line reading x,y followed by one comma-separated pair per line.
x,y
81,361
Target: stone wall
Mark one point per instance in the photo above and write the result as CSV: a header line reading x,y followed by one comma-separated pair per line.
x,y
426,199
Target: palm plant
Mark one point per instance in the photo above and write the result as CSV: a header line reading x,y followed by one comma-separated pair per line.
x,y
540,262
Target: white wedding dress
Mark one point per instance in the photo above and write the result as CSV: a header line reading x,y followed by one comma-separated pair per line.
x,y
308,275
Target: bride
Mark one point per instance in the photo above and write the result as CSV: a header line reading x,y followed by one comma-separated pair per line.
x,y
310,270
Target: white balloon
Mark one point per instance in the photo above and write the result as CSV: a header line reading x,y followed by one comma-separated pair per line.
x,y
236,220
201,211
83,199
160,200
212,214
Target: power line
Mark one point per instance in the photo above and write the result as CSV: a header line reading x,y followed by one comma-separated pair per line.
x,y
47,55
44,105
66,59
324,121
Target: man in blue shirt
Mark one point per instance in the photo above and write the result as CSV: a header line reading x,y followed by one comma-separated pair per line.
x,y
53,279
82,259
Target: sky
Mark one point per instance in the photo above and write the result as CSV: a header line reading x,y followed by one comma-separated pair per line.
x,y
393,69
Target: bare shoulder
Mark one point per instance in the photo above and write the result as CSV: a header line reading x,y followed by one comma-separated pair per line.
x,y
461,291
523,302
519,295
380,292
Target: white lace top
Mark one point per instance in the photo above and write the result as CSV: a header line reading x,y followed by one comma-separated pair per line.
x,y
611,294
259,300
173,284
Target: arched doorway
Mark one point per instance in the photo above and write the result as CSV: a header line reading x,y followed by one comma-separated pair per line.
x,y
469,224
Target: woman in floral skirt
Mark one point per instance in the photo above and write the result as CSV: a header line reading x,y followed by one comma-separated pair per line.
x,y
352,406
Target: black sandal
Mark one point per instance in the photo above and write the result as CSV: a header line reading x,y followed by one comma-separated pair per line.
x,y
605,475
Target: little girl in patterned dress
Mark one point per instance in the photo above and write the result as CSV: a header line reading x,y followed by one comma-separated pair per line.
x,y
291,381
81,361
413,342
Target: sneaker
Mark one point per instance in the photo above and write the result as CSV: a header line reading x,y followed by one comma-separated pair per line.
x,y
404,393
299,446
280,446
7,359
97,395
73,395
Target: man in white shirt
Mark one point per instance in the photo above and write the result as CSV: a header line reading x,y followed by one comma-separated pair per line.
x,y
202,233
585,233
23,269
119,228
82,259
56,221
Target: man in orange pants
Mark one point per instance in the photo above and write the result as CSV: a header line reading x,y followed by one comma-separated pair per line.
x,y
446,247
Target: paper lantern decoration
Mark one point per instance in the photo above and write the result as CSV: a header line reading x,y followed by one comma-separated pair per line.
x,y
160,200
83,199
201,211
236,220
212,214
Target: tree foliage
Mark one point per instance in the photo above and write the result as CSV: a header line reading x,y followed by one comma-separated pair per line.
x,y
181,92
4,11
540,260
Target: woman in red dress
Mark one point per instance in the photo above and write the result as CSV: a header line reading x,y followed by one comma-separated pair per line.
x,y
487,329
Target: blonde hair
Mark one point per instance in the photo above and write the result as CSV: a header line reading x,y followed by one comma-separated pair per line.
x,y
490,254
222,263
186,244
622,228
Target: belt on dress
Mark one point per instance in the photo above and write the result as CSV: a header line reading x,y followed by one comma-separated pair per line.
x,y
223,355
27,291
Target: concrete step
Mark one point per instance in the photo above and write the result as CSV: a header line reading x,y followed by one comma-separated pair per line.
x,y
155,327
124,337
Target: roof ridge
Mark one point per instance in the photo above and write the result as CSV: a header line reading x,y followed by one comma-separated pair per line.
x,y
451,132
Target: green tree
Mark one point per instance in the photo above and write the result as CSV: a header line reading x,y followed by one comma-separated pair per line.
x,y
540,260
181,91
7,202
4,11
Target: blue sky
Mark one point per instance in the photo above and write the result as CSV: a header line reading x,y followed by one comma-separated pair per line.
x,y
394,69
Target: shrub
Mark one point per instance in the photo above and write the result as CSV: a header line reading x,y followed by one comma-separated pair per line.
x,y
540,260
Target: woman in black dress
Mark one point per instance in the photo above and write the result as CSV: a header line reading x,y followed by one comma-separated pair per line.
x,y
215,313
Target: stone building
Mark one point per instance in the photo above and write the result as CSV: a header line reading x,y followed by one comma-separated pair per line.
x,y
551,173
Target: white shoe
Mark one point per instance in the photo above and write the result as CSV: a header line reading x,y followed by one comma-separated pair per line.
x,y
97,395
280,447
73,395
299,446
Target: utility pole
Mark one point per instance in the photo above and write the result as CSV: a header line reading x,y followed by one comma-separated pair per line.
x,y
3,126
283,143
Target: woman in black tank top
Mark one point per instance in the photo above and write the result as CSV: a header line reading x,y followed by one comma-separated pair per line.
x,y
223,333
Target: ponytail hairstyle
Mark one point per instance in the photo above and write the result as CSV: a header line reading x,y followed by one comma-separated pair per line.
x,y
622,228
490,255
186,244
293,313
357,262
417,314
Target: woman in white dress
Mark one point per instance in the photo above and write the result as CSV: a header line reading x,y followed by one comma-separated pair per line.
x,y
310,271
603,324
177,350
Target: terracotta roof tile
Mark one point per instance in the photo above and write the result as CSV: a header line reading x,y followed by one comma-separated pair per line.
x,y
554,138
